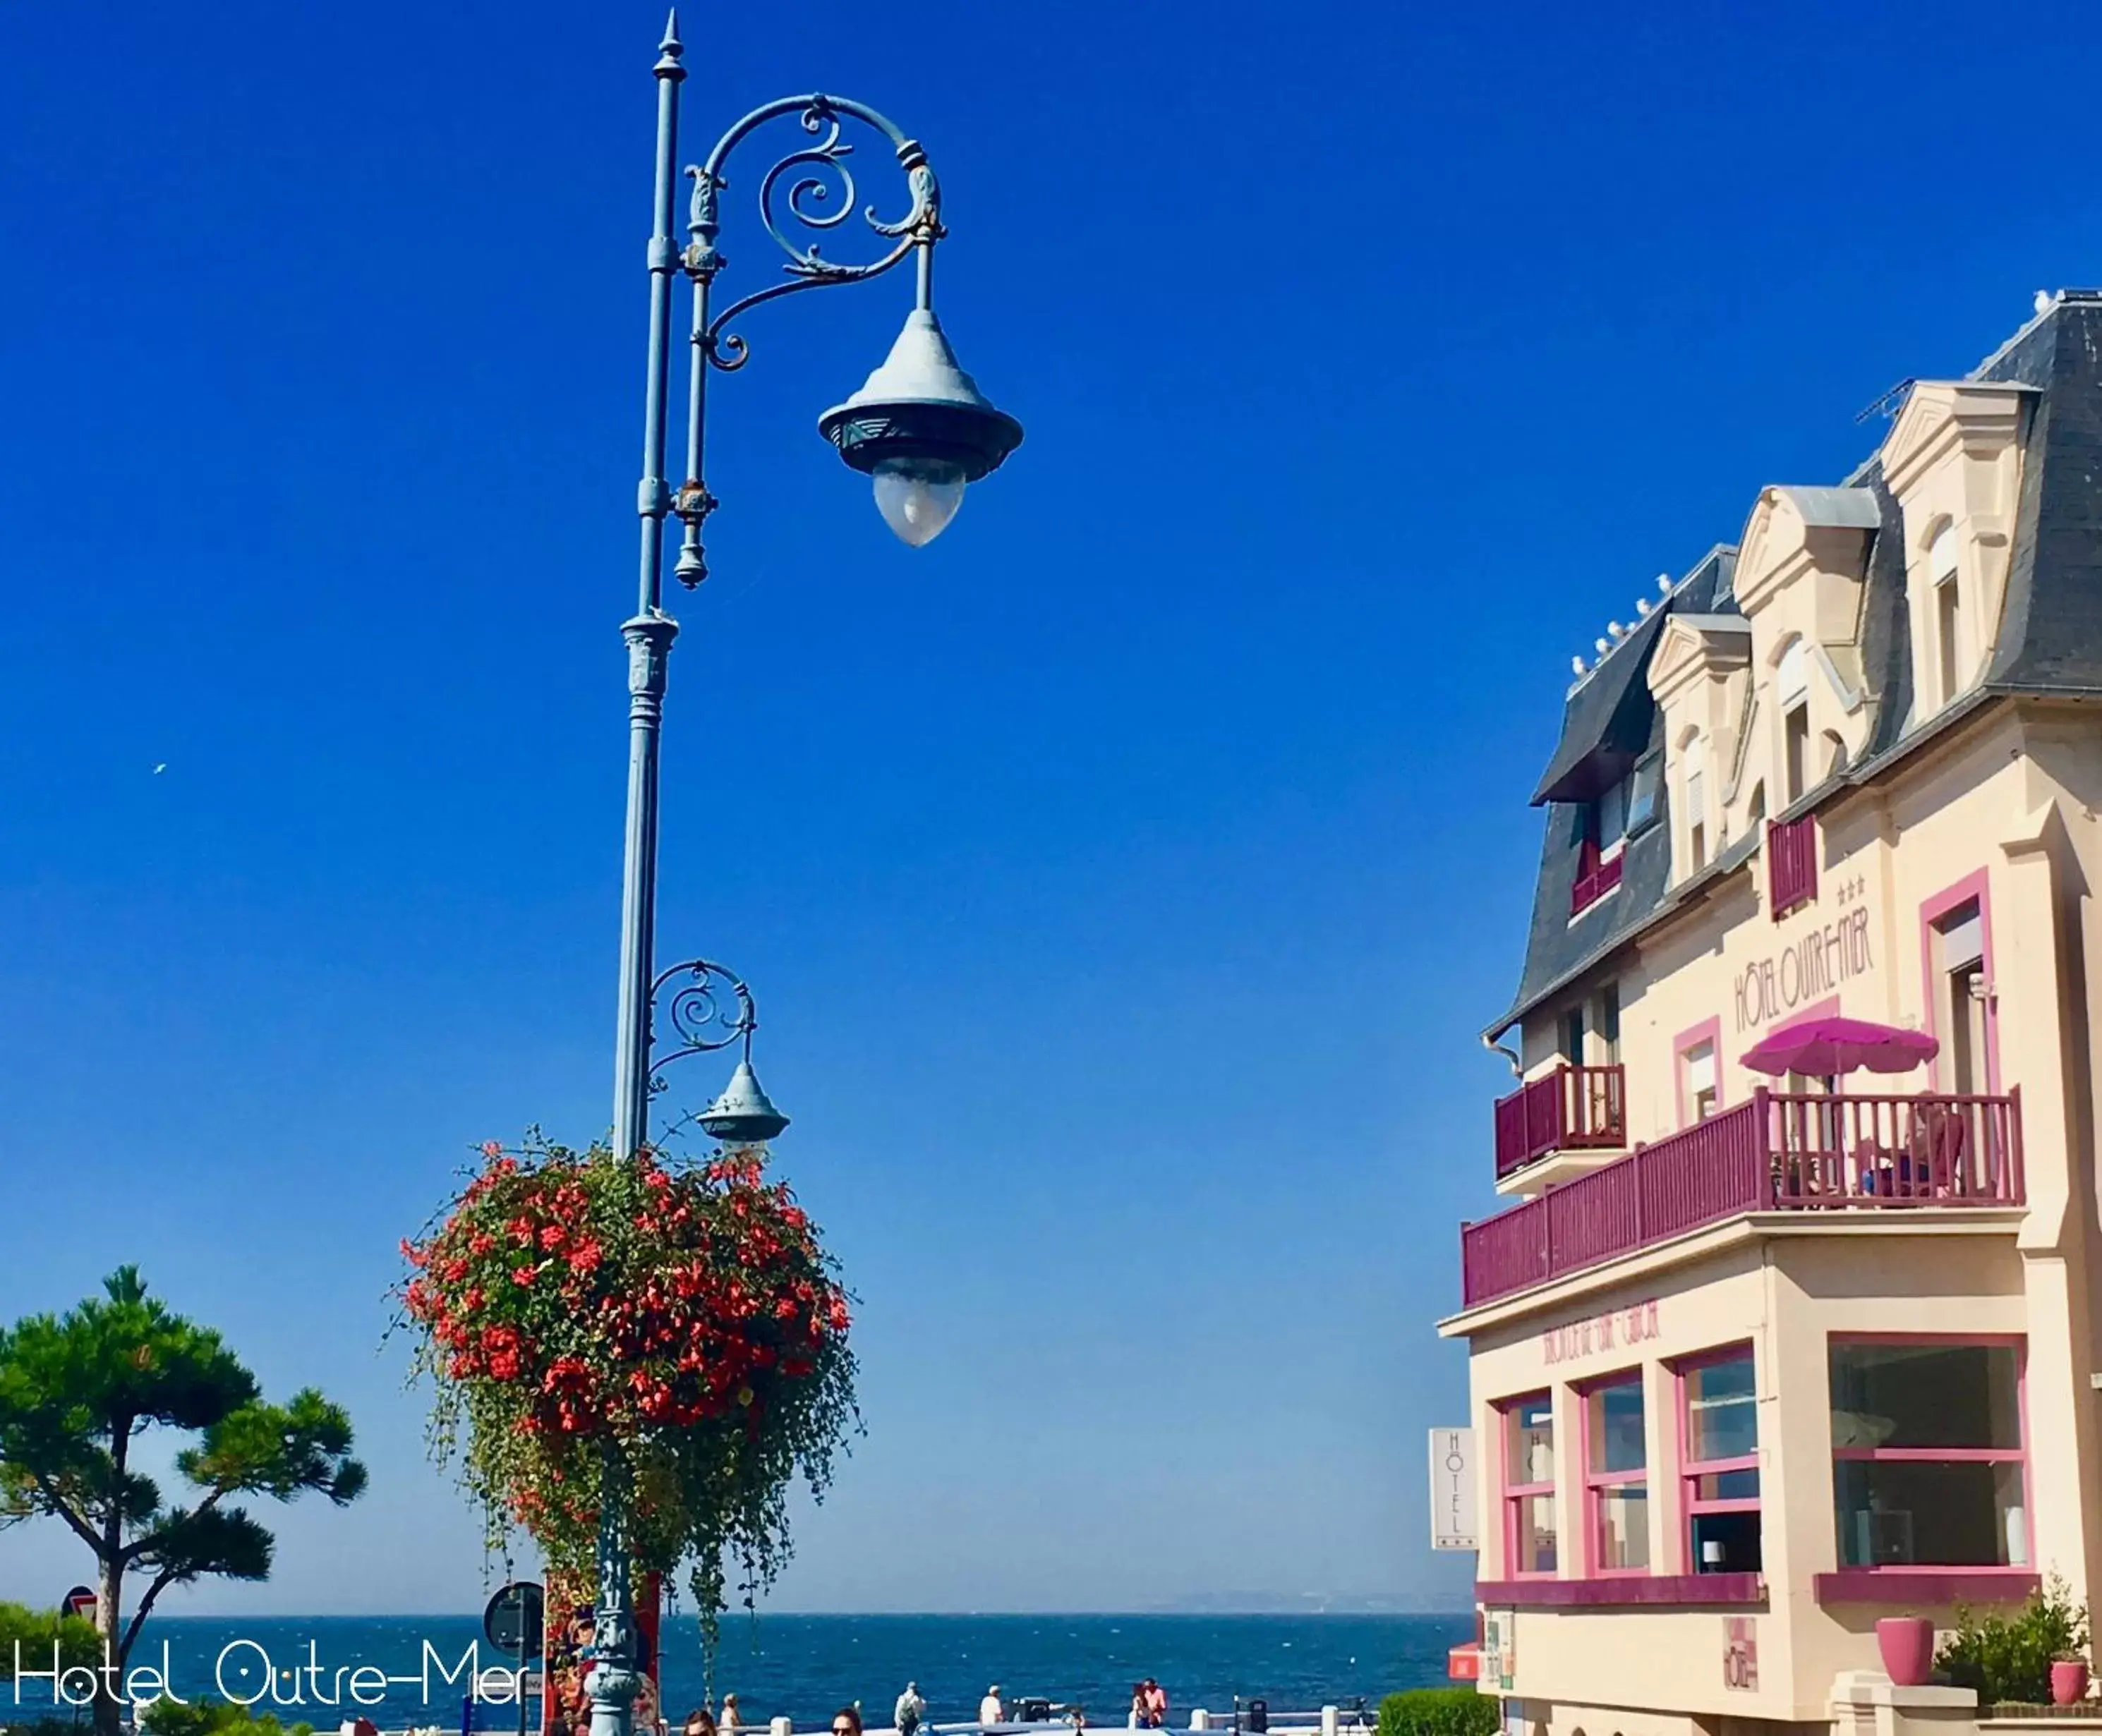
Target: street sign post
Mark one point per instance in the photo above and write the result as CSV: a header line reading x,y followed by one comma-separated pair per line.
x,y
516,1621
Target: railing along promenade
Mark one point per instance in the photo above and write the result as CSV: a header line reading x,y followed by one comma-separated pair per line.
x,y
1774,1151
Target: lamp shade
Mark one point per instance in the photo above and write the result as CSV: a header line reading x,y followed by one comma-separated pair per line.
x,y
743,1114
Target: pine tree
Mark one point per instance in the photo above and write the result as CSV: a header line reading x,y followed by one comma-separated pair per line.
x,y
76,1393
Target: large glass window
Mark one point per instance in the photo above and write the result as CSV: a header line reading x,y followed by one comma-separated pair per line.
x,y
1721,1420
1616,1476
1529,1485
1928,1466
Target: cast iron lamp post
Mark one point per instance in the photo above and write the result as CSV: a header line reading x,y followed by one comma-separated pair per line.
x,y
919,426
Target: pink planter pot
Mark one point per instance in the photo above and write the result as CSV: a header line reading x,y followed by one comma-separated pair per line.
x,y
2069,1681
1907,1644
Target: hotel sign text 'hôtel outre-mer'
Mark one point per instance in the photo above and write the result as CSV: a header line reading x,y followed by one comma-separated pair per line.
x,y
1761,1353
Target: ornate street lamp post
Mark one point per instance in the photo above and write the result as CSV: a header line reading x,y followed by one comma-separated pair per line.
x,y
918,428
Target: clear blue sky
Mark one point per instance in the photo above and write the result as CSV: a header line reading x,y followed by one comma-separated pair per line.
x,y
1125,877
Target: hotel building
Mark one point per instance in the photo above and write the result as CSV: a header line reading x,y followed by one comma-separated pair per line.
x,y
1754,1361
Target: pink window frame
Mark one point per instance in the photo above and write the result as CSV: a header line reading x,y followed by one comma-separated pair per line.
x,y
1596,1483
1953,1454
1691,1469
1708,1031
1952,898
1512,1498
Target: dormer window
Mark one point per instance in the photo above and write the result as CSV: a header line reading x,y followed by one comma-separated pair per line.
x,y
1792,687
1947,613
1695,758
1602,837
1953,463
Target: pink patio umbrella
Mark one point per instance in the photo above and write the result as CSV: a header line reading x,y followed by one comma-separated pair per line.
x,y
1822,1047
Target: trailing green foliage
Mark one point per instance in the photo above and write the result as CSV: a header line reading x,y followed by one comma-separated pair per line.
x,y
2007,1659
35,1632
216,1718
1439,1711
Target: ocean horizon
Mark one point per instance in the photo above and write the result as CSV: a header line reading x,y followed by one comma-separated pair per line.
x,y
805,1666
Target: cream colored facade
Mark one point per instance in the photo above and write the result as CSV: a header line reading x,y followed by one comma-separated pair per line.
x,y
1958,867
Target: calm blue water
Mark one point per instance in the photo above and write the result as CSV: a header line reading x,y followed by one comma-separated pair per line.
x,y
806,1665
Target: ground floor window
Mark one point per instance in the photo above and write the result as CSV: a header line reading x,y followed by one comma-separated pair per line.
x,y
1929,1466
1528,1503
1720,1422
1616,1476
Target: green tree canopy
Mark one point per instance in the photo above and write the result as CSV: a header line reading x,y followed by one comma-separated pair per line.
x,y
35,1632
76,1393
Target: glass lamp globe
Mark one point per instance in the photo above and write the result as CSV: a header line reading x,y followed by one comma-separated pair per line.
x,y
918,496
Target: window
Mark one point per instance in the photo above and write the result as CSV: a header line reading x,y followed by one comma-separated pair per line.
x,y
1959,944
1948,610
1793,680
1720,1419
1696,807
1643,783
1795,729
1529,1485
1928,1468
1616,1476
1609,818
1601,825
1572,1035
1703,1093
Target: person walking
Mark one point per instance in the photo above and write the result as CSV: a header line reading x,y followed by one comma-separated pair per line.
x,y
846,1721
1137,1720
700,1722
1156,1705
909,1711
730,1723
990,1712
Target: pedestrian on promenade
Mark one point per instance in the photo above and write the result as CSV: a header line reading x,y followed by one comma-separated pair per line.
x,y
700,1721
731,1724
846,1721
990,1712
1155,1698
911,1710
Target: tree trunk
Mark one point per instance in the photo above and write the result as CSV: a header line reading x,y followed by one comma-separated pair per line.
x,y
108,1617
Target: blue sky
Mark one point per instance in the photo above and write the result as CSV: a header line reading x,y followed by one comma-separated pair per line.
x,y
1124,878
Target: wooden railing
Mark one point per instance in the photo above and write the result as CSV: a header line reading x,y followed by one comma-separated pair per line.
x,y
1773,1152
1791,864
1572,1109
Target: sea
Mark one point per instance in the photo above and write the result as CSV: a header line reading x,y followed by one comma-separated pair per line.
x,y
804,1666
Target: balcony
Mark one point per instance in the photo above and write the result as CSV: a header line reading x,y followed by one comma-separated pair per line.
x,y
1773,1153
1572,1109
1791,864
1594,878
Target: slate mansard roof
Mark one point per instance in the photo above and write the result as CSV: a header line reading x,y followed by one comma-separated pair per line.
x,y
2050,643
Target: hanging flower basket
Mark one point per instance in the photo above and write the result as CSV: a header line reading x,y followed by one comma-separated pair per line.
x,y
680,1322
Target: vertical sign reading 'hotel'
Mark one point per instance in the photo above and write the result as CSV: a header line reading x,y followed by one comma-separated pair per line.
x,y
1452,1489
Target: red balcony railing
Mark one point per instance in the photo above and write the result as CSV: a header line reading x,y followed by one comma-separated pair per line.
x,y
1791,864
1774,1152
1572,1109
1594,878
